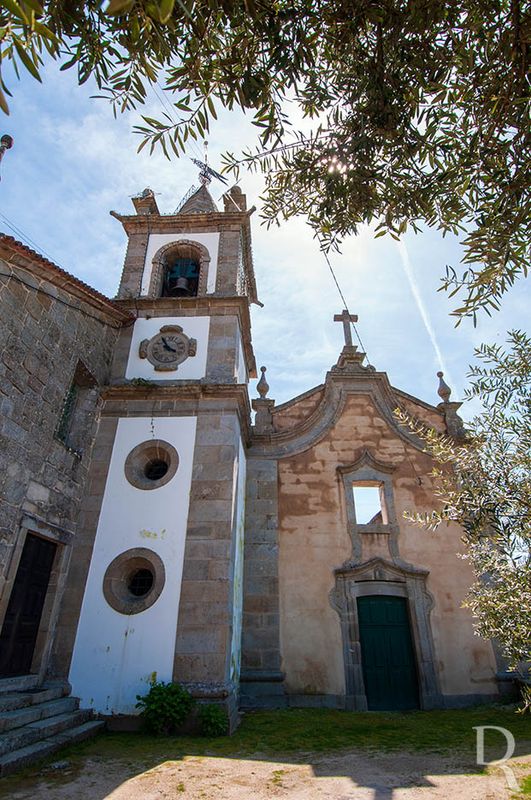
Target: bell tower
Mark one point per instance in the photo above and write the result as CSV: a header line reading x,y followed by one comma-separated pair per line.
x,y
158,576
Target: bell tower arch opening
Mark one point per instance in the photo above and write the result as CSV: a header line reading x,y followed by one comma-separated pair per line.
x,y
180,269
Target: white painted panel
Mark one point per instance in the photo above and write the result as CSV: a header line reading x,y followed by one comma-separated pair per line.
x,y
237,599
158,240
194,366
115,654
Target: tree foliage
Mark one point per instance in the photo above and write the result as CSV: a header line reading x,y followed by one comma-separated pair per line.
x,y
484,484
414,112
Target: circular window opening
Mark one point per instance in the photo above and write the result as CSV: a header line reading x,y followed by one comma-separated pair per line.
x,y
140,582
151,464
156,469
134,580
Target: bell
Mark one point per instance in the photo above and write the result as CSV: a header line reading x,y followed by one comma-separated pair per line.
x,y
182,287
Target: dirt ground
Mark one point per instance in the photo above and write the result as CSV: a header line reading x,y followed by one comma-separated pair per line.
x,y
352,775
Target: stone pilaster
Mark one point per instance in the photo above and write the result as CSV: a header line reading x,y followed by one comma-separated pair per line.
x,y
261,678
206,614
223,346
228,260
131,282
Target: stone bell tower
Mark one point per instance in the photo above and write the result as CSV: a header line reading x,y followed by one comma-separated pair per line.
x,y
156,587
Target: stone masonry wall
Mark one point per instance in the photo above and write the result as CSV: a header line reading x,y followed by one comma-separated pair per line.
x,y
42,338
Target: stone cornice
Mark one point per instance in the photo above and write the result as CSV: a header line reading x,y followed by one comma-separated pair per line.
x,y
338,387
181,398
182,223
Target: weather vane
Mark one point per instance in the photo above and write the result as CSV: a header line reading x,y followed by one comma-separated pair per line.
x,y
206,173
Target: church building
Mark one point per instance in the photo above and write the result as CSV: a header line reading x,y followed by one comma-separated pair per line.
x,y
151,528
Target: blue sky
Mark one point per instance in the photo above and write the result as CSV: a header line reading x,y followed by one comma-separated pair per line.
x,y
72,163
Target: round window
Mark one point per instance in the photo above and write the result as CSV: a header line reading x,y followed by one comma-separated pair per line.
x,y
140,582
151,464
156,469
134,580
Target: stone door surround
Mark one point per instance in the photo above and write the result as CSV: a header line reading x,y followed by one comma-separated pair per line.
x,y
379,577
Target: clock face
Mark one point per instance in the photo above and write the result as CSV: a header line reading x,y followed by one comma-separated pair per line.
x,y
168,348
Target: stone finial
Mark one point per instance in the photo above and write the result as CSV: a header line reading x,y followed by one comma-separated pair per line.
x,y
263,406
444,390
262,387
145,202
454,423
6,143
235,200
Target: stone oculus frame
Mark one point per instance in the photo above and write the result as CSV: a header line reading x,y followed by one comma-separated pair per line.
x,y
380,577
139,458
118,574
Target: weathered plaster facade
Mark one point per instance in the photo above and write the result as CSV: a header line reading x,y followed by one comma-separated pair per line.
x,y
302,596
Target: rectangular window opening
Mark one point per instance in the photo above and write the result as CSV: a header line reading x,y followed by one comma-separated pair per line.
x,y
369,503
78,402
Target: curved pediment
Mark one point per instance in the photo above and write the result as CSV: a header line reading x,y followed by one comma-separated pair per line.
x,y
379,569
338,388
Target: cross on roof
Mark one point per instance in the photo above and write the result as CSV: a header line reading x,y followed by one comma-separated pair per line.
x,y
346,319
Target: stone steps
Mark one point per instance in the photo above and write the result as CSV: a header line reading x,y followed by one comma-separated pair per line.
x,y
17,759
38,721
29,714
14,700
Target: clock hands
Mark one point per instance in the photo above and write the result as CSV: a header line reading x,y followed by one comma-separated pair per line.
x,y
167,346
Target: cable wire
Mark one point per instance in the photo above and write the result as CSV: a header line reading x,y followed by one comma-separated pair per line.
x,y
345,305
34,246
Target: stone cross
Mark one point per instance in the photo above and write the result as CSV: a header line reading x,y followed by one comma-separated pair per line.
x,y
346,319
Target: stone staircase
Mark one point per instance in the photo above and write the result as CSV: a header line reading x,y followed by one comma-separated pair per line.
x,y
37,720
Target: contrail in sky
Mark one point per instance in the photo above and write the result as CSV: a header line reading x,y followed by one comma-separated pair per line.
x,y
413,285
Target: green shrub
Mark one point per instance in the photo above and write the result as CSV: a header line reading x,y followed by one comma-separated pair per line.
x,y
165,707
213,720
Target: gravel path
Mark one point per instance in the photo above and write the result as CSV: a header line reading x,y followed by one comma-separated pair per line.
x,y
352,775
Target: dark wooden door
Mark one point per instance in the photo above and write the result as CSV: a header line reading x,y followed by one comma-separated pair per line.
x,y
388,660
24,611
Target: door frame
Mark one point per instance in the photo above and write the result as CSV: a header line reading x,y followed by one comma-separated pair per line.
x,y
380,577
50,611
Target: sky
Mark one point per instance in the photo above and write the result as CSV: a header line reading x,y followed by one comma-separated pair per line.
x,y
72,162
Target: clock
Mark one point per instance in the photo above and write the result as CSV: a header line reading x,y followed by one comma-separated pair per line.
x,y
168,348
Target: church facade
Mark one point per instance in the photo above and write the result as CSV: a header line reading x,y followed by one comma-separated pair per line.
x,y
151,530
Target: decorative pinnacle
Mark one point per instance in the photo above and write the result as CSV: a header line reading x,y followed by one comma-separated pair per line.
x,y
444,390
262,387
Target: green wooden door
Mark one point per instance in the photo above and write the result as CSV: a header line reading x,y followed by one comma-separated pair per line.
x,y
388,659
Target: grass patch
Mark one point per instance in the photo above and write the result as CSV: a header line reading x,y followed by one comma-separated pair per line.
x,y
525,787
273,733
295,732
